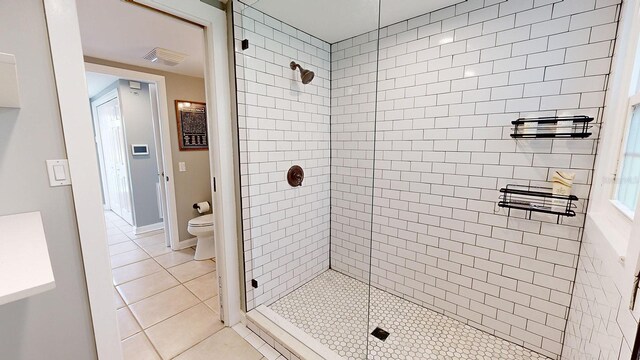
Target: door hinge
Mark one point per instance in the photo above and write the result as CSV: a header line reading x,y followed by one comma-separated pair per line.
x,y
254,283
245,44
214,184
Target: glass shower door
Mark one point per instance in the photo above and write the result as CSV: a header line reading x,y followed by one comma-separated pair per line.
x,y
353,125
306,98
453,274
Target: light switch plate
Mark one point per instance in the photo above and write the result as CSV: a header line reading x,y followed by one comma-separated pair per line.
x,y
58,172
182,166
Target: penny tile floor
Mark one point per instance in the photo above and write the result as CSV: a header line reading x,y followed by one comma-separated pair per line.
x,y
333,309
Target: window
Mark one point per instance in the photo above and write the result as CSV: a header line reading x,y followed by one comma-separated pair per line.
x,y
629,174
615,194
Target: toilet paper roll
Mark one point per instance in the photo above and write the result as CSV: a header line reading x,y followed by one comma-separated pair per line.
x,y
202,207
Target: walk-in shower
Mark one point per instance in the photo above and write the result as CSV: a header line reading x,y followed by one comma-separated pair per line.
x,y
401,243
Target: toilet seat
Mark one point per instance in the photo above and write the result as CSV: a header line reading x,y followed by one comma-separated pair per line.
x,y
202,221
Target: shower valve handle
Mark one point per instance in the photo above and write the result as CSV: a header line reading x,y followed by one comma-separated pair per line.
x,y
295,176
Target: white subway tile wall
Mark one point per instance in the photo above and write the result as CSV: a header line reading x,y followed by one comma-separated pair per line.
x,y
600,326
282,123
449,85
353,106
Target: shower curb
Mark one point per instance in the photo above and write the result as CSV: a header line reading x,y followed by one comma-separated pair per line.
x,y
279,330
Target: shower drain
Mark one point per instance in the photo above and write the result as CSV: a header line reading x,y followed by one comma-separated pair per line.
x,y
380,334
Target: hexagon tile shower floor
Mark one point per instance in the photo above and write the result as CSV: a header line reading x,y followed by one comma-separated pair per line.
x,y
333,309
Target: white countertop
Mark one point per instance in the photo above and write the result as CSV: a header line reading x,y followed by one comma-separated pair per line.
x,y
25,267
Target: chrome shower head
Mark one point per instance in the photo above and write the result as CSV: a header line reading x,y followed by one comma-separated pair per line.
x,y
305,75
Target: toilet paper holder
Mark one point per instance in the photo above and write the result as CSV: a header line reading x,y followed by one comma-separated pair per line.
x,y
197,207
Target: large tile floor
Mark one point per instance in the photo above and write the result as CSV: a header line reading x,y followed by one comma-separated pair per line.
x,y
167,303
333,309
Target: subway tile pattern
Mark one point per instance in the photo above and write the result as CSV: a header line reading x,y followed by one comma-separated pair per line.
x,y
449,83
333,309
353,105
282,123
600,325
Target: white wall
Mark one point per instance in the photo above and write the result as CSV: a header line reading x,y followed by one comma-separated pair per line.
x,y
282,123
135,106
600,325
55,324
450,83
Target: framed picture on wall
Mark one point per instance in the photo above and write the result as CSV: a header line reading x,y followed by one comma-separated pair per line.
x,y
192,125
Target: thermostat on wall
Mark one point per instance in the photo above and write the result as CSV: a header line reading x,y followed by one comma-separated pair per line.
x,y
140,149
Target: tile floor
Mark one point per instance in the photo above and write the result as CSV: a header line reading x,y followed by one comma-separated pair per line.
x,y
333,309
167,303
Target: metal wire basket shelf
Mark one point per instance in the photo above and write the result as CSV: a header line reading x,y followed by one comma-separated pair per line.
x,y
553,127
537,199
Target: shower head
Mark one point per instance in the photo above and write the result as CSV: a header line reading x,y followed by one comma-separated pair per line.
x,y
305,75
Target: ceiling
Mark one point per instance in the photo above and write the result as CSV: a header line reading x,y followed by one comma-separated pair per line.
x,y
97,82
335,20
119,31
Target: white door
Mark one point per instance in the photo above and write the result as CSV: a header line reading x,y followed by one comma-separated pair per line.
x,y
115,158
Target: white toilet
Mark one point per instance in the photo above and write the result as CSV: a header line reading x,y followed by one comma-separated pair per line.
x,y
202,227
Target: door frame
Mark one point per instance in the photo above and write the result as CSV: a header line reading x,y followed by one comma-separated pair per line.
x,y
170,218
69,72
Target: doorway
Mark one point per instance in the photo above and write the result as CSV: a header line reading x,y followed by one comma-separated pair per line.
x,y
143,149
67,58
157,282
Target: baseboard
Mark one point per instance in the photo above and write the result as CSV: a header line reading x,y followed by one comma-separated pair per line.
x,y
148,228
187,243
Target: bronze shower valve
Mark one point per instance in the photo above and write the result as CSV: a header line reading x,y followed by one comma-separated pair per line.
x,y
295,176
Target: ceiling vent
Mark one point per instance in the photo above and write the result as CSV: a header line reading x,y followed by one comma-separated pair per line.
x,y
164,56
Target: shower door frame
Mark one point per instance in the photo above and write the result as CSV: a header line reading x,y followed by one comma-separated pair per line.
x,y
69,72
